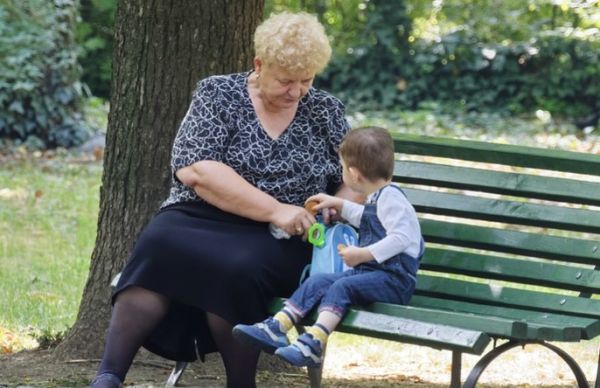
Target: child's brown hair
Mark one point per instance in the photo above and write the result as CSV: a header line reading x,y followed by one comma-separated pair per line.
x,y
371,151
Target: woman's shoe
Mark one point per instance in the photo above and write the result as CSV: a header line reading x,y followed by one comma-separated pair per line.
x,y
106,380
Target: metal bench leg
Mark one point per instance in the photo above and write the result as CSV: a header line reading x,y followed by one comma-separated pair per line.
x,y
315,375
492,354
176,374
456,366
597,384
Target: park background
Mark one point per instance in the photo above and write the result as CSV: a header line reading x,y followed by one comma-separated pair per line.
x,y
515,71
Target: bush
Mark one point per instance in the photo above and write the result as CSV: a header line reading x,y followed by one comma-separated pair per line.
x,y
40,92
552,64
553,72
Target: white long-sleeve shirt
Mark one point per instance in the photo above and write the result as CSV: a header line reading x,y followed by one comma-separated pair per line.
x,y
399,219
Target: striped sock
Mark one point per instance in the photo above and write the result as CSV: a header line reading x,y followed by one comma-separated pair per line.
x,y
319,331
285,319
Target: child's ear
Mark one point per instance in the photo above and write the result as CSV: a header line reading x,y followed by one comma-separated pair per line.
x,y
355,174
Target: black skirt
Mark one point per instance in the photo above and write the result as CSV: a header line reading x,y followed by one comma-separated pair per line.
x,y
207,260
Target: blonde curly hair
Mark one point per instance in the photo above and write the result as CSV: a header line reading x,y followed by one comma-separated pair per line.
x,y
293,41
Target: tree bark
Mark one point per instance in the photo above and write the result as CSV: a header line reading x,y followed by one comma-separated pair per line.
x,y
161,49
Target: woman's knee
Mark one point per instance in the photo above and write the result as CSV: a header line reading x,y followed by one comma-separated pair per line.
x,y
141,299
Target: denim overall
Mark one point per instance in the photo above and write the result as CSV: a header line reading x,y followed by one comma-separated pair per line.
x,y
392,281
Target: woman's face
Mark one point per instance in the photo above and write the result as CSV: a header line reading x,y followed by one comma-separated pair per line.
x,y
282,88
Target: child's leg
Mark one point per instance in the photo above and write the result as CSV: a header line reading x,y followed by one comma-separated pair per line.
x,y
286,319
360,288
364,288
271,333
326,323
309,347
309,294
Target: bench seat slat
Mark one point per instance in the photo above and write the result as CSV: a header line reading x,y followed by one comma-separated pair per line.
x,y
383,326
415,332
507,296
513,212
510,241
539,273
556,327
497,182
533,157
497,326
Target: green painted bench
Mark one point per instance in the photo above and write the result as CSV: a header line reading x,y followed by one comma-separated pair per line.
x,y
513,253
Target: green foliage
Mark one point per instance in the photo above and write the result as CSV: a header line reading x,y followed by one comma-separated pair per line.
x,y
48,339
343,19
512,55
454,52
503,21
372,70
94,34
553,72
40,92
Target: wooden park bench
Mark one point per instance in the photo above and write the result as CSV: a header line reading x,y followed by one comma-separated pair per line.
x,y
513,253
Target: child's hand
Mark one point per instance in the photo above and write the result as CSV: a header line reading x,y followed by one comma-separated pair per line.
x,y
354,256
329,205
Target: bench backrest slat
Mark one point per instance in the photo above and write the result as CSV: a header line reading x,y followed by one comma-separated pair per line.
x,y
568,250
497,210
539,273
498,182
532,157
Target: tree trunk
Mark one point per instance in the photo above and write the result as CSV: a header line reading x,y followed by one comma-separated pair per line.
x,y
161,49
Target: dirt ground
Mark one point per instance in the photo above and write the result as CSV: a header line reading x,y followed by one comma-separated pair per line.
x,y
39,369
359,365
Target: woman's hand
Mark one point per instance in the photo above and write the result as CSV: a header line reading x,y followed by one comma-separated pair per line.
x,y
294,220
354,256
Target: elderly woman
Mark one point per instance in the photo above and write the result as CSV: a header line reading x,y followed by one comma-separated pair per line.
x,y
251,148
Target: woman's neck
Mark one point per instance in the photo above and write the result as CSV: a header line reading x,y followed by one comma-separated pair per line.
x,y
274,119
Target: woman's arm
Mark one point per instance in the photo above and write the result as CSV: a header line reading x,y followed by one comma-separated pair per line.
x,y
221,186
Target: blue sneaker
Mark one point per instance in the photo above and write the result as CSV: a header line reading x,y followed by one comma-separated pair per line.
x,y
265,335
306,351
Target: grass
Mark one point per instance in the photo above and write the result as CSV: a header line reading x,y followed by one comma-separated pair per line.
x,y
48,213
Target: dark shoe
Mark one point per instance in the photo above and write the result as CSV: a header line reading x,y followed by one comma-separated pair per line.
x,y
265,335
106,380
305,351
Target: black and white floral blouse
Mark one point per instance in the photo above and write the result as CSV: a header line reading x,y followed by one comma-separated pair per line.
x,y
221,125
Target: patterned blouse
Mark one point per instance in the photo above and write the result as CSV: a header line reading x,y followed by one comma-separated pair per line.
x,y
221,125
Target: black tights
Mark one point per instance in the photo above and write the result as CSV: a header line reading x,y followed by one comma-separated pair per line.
x,y
136,313
239,360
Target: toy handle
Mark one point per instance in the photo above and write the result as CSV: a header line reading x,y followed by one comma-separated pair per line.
x,y
316,234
